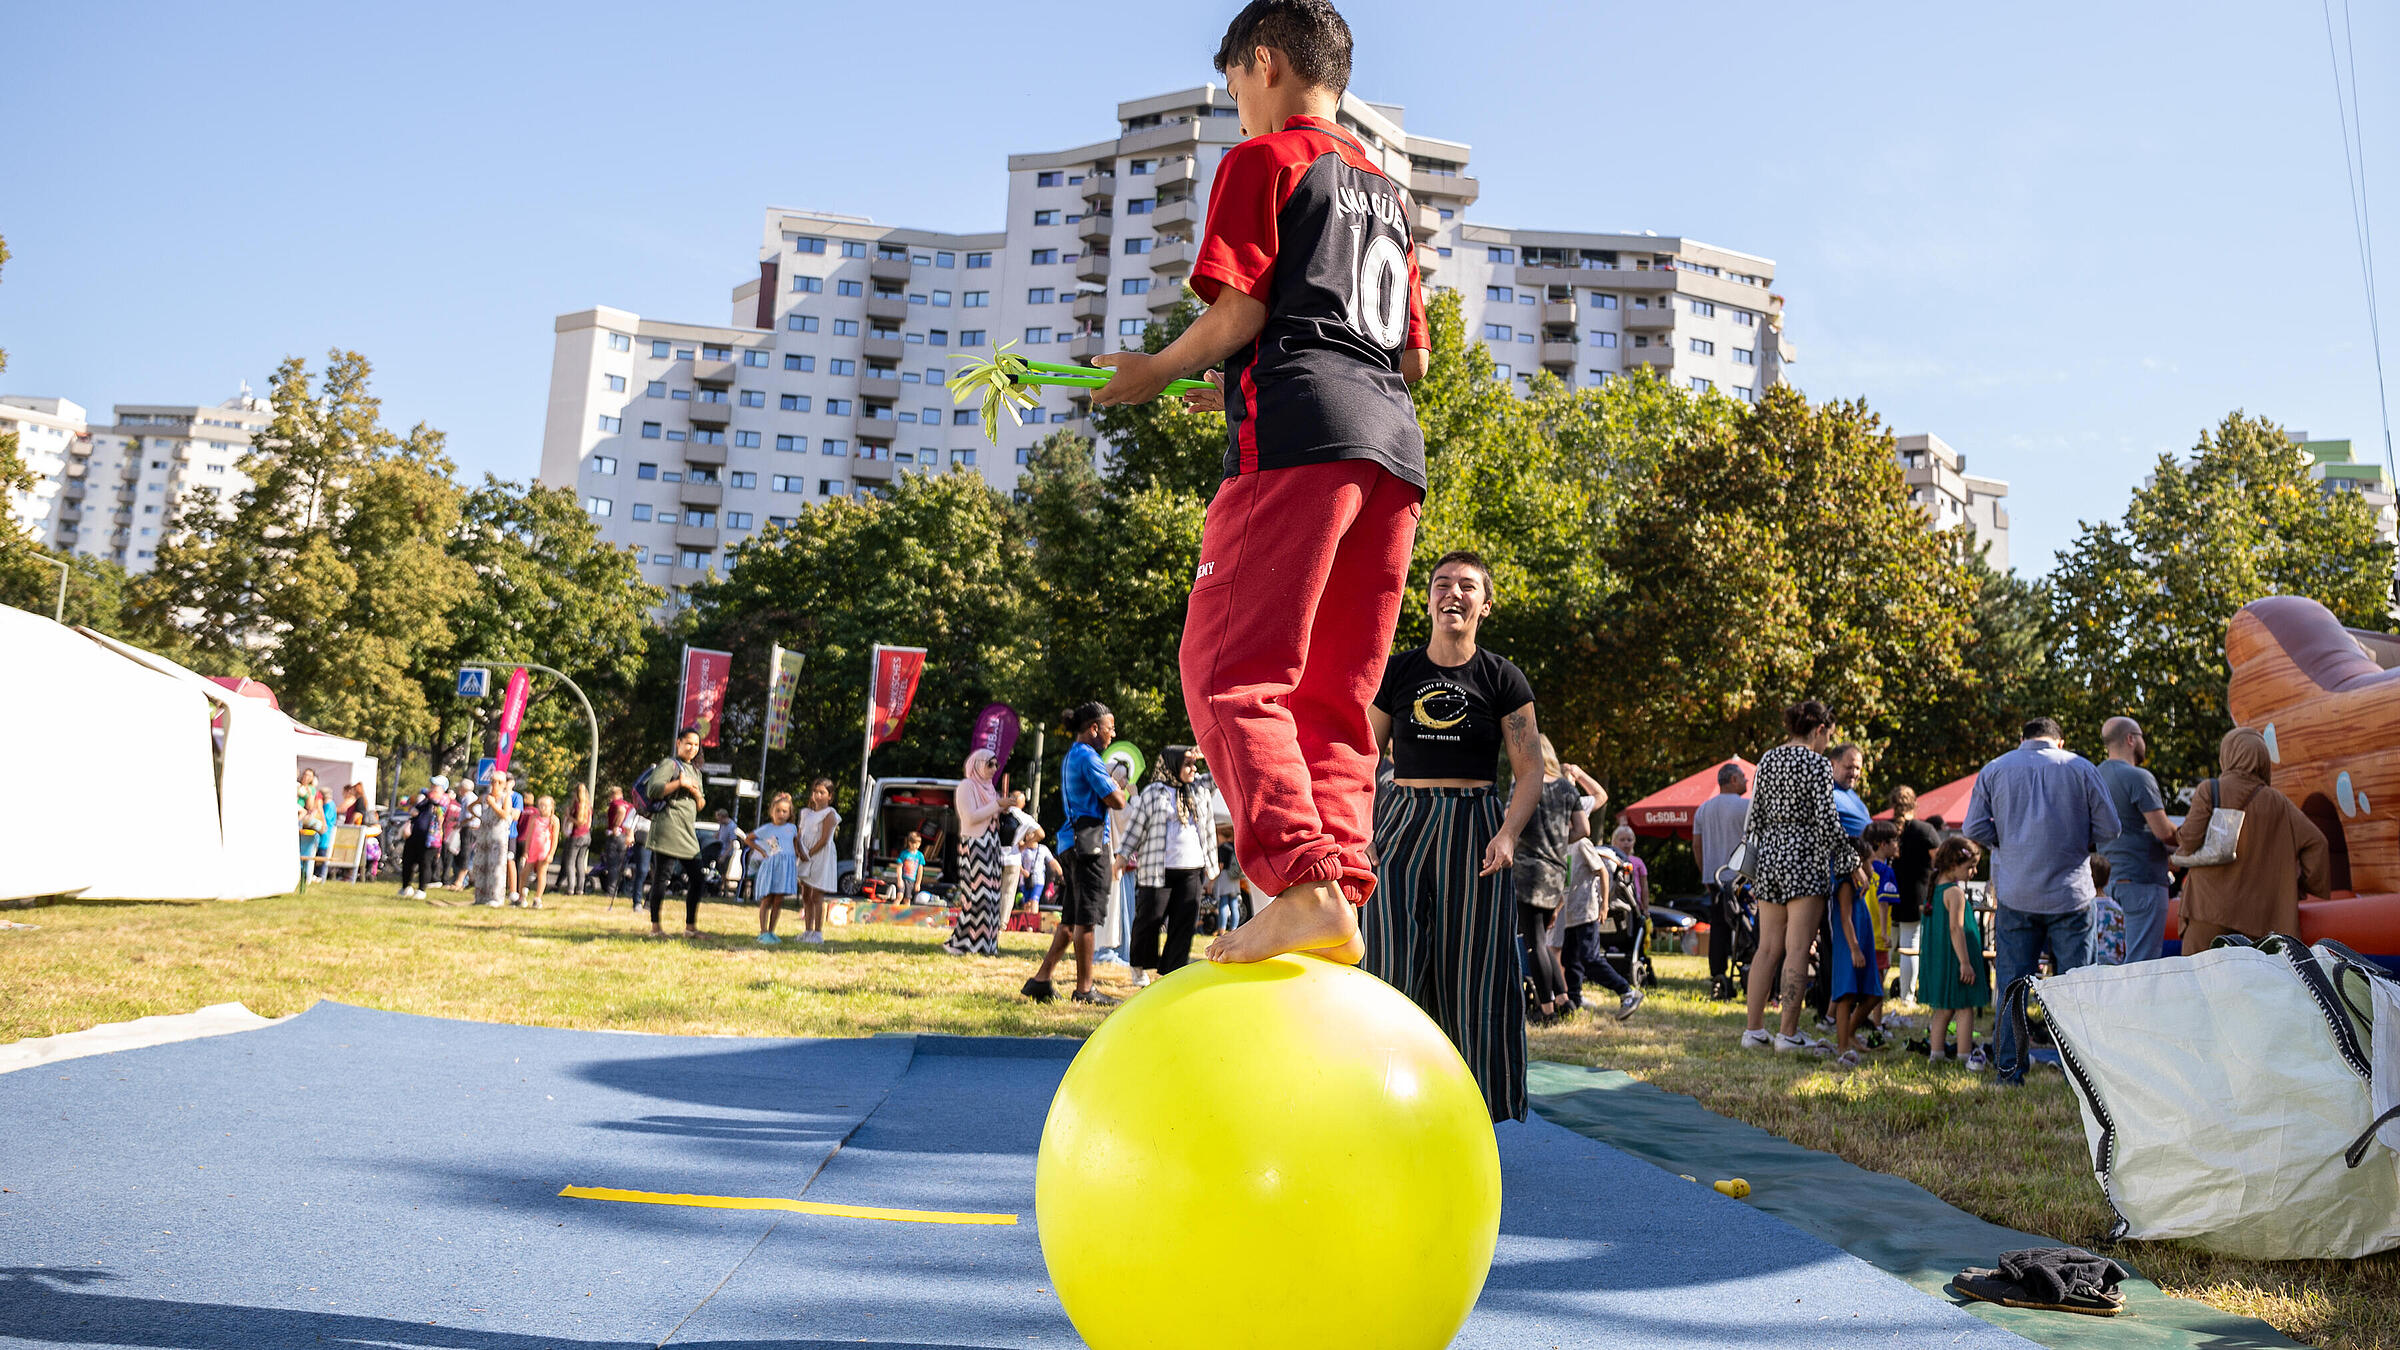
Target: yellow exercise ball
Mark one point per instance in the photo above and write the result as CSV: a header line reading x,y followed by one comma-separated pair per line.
x,y
1284,1154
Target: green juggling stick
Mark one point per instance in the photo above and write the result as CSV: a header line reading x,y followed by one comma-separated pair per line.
x,y
1003,381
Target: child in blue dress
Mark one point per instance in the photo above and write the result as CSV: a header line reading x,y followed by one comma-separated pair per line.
x,y
778,875
1857,986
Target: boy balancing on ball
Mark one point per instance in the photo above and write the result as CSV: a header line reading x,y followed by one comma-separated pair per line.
x,y
1309,271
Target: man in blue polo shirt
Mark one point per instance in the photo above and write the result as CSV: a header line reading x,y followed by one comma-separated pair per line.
x,y
1083,852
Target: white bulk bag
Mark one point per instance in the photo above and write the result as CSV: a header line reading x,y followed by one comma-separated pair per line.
x,y
2220,1092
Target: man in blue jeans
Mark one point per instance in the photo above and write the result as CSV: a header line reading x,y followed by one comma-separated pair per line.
x,y
2041,811
2137,857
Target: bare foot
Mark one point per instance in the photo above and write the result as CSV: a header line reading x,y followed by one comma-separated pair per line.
x,y
1313,917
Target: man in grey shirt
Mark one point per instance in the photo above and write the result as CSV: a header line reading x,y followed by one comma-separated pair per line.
x,y
2041,810
1717,826
2137,857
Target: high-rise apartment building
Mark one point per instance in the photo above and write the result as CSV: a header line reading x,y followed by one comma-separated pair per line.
x,y
828,378
116,491
1939,482
2336,469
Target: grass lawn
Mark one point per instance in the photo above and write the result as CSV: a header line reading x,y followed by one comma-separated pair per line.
x,y
2017,1159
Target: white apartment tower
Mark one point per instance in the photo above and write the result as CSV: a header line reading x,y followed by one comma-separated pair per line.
x,y
50,433
116,491
828,378
1939,482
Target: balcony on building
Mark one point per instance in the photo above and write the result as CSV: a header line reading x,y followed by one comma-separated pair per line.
x,y
702,452
1179,170
1634,318
713,372
121,517
701,494
890,308
1091,306
886,268
1560,353
1099,187
877,469
126,495
696,536
1427,221
1085,346
1174,256
882,348
1447,186
1165,295
1659,354
1097,229
1182,216
1092,266
689,576
1561,314
712,412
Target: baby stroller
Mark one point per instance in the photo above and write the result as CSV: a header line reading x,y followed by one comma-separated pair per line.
x,y
1739,912
1623,928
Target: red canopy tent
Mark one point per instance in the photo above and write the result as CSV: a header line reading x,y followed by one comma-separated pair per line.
x,y
1667,813
1949,801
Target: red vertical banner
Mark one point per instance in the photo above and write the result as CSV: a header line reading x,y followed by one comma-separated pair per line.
x,y
707,676
512,716
893,689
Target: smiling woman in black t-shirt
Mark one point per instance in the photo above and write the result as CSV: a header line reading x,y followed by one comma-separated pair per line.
x,y
1443,926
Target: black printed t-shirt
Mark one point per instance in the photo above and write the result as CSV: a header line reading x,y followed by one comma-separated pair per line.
x,y
1446,719
1302,221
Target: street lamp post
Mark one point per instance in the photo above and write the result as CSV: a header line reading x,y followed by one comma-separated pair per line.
x,y
591,772
58,615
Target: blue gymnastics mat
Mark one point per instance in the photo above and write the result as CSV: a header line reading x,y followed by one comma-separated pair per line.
x,y
353,1177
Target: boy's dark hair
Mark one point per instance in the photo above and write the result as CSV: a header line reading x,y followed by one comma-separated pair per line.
x,y
1086,714
1879,833
1310,33
1956,851
2100,871
1464,557
1806,716
2038,727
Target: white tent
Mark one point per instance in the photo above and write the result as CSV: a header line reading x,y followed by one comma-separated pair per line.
x,y
338,760
106,730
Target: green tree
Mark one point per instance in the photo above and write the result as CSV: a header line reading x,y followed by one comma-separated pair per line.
x,y
328,577
2008,673
2142,602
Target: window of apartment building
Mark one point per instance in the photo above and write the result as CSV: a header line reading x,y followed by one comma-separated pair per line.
x,y
1604,339
1603,300
656,389
1743,318
872,450
1703,347
650,431
1034,335
833,447
842,365
683,353
641,511
608,423
975,300
604,464
962,456
1442,252
1446,212
800,323
975,260
1045,217
962,417
737,520
1134,286
1499,295
795,403
945,260
754,398
808,285
1044,256
1498,332
616,383
937,337
787,483
755,357
941,299
599,506
799,443
837,407
149,510
1133,246
713,352
1040,295
1524,335
1743,392
1595,378
1131,327
845,328
618,342
704,519
1499,255
854,248
700,474
711,396
649,471
1703,308
741,479
692,557
1142,166
674,435
1745,356
807,243
1141,206
795,362
852,289
1025,456
1701,386
708,437
746,438
830,487
660,351
970,337
1527,297
1503,371
1640,341
1054,178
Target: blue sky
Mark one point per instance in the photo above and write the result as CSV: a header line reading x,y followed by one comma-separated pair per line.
x,y
2064,238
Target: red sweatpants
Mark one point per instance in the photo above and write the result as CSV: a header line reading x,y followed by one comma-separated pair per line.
x,y
1291,617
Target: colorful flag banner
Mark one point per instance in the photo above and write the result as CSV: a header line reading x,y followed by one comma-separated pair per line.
x,y
512,716
707,676
892,688
783,677
996,729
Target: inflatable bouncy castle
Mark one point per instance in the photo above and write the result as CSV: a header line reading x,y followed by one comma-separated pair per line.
x,y
2327,700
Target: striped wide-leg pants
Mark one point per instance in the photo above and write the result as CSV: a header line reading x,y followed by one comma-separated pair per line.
x,y
978,930
1447,938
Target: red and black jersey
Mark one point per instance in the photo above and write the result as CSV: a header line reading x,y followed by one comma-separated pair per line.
x,y
1302,221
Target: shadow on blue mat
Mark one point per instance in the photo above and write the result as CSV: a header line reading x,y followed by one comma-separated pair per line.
x,y
58,1306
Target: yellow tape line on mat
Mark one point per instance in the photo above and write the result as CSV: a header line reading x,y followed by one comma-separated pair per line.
x,y
795,1206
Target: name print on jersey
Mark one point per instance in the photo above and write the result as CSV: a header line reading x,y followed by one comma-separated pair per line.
x,y
1350,201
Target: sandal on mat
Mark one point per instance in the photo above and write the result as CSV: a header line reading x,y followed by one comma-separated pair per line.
x,y
2054,1279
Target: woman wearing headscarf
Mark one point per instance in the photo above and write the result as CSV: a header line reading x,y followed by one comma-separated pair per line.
x,y
2281,855
984,908
1170,842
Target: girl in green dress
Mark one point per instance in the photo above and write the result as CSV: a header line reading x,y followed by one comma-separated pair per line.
x,y
1953,979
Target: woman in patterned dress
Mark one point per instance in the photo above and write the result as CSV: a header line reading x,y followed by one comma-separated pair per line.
x,y
1795,844
983,908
